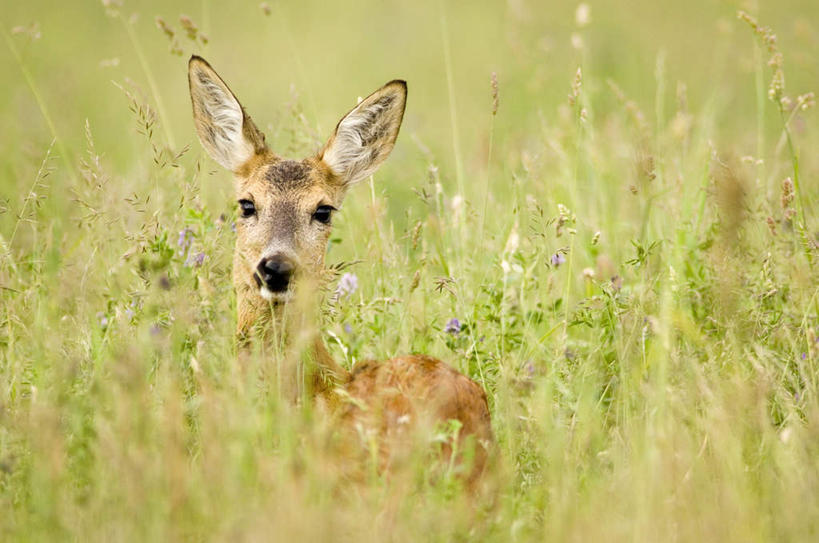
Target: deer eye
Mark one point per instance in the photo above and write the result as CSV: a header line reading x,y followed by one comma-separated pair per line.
x,y
248,208
322,214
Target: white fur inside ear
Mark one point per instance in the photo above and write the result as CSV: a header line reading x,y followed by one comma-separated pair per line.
x,y
365,137
219,122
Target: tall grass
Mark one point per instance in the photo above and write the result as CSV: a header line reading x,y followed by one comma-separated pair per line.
x,y
637,293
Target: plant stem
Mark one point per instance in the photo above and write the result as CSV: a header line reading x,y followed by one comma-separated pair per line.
x,y
453,118
40,102
146,68
801,218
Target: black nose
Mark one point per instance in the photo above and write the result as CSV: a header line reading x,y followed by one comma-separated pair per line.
x,y
275,272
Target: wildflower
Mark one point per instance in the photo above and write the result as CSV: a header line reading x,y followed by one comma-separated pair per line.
x,y
588,273
195,260
185,239
530,369
347,285
453,326
348,328
558,259
806,101
103,318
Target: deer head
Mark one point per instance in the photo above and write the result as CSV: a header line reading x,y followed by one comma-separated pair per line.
x,y
286,206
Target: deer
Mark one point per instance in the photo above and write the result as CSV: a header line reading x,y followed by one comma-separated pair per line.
x,y
284,220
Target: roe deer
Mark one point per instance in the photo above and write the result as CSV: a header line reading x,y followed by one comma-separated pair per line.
x,y
285,214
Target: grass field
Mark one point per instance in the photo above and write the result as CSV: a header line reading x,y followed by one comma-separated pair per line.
x,y
618,203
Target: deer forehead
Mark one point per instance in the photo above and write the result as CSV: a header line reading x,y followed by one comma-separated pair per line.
x,y
299,182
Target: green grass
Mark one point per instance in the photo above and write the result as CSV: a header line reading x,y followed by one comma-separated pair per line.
x,y
658,381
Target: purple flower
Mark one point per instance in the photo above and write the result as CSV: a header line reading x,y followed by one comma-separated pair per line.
x,y
103,318
347,285
453,326
184,240
195,260
131,310
558,259
348,328
530,369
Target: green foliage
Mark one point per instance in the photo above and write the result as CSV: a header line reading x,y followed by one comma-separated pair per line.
x,y
630,274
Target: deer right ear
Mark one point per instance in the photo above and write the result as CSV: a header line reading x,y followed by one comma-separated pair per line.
x,y
366,135
227,133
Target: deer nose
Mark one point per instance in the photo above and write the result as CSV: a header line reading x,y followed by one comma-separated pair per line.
x,y
275,272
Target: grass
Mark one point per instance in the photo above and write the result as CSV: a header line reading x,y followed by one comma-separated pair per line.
x,y
629,242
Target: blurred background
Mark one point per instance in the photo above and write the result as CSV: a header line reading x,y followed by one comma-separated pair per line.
x,y
321,56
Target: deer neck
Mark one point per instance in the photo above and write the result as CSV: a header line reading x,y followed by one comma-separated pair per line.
x,y
290,335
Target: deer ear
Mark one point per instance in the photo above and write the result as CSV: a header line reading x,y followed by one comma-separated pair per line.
x,y
227,133
365,136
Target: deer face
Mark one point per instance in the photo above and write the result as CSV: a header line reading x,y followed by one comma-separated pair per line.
x,y
286,206
285,214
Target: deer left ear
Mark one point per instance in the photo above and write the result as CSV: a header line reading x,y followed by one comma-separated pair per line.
x,y
226,131
365,136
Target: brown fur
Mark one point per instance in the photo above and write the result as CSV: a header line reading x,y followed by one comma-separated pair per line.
x,y
394,398
397,395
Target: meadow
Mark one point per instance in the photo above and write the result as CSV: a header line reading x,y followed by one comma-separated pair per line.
x,y
604,214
